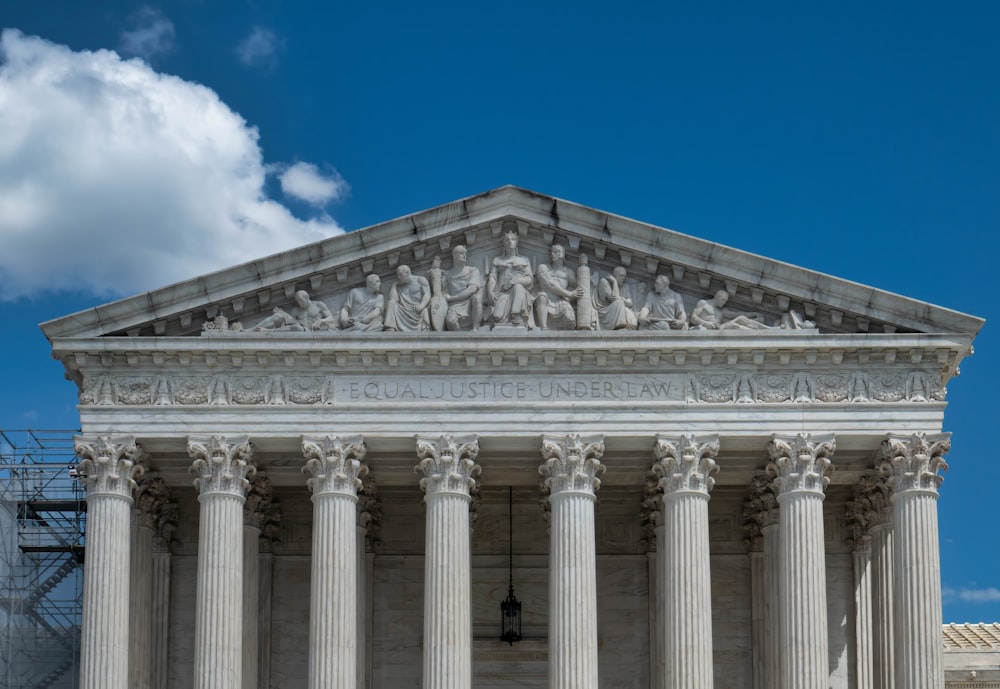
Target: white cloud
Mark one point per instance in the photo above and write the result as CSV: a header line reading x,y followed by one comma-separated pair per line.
x,y
116,179
988,594
259,48
153,34
304,181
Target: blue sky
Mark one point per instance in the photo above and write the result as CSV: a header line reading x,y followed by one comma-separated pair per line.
x,y
853,139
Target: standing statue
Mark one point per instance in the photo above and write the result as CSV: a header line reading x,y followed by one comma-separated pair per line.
x,y
613,301
463,292
709,314
364,306
663,308
305,316
557,289
406,309
508,284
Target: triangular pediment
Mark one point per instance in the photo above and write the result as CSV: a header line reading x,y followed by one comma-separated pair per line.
x,y
761,289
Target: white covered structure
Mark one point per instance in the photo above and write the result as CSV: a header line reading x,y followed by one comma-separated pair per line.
x,y
724,468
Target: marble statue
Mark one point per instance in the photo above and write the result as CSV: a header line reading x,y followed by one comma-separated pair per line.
x,y
406,309
709,314
663,308
507,287
614,304
463,292
793,320
364,307
307,315
557,290
437,311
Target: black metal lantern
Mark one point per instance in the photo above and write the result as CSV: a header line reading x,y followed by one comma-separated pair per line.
x,y
510,608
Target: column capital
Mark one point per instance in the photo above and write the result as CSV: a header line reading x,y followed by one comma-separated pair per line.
x,y
109,464
686,463
257,508
870,509
166,526
151,498
651,509
912,462
572,463
334,463
448,463
221,464
800,464
760,510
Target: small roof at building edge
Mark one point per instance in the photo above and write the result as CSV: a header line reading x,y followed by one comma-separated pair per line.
x,y
547,212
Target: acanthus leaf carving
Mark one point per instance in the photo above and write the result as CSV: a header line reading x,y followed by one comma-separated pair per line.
x,y
912,463
760,510
221,464
572,463
257,507
109,464
448,463
801,463
334,464
686,463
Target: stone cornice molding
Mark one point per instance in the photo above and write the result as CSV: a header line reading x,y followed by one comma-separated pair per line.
x,y
760,510
151,497
685,464
257,507
448,464
912,462
109,464
334,464
572,464
800,464
221,465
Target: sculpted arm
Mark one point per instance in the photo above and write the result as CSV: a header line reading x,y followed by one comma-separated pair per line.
x,y
545,278
647,306
376,311
704,315
425,290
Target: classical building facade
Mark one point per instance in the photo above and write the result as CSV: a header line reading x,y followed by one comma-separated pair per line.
x,y
696,467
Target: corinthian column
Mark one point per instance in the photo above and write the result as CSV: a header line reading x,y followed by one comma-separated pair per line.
x,y
449,468
160,631
761,516
859,517
572,464
685,466
912,463
255,513
334,465
150,501
221,467
108,469
800,465
880,531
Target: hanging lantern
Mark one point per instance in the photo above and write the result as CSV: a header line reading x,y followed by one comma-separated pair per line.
x,y
510,608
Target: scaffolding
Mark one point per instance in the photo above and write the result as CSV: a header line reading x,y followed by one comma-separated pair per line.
x,y
42,525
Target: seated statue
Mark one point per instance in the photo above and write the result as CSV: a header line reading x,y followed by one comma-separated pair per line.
x,y
613,301
556,291
307,315
406,309
364,306
508,284
709,314
463,292
663,308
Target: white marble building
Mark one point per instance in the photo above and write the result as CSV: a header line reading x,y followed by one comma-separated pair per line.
x,y
724,468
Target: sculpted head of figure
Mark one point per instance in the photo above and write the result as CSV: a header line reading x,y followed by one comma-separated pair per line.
x,y
619,274
459,254
558,253
436,262
721,297
510,241
302,298
374,283
662,284
403,274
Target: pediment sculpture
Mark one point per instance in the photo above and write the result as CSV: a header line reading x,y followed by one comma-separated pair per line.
x,y
512,294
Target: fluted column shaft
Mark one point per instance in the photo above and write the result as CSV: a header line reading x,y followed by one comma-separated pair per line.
x,y
220,467
772,606
571,468
685,466
800,465
160,629
882,607
758,620
264,619
141,605
660,662
108,468
912,463
448,466
255,511
863,617
334,464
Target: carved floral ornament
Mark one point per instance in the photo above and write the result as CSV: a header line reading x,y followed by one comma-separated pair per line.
x,y
504,288
221,465
572,463
686,463
110,464
334,464
800,464
912,462
448,464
